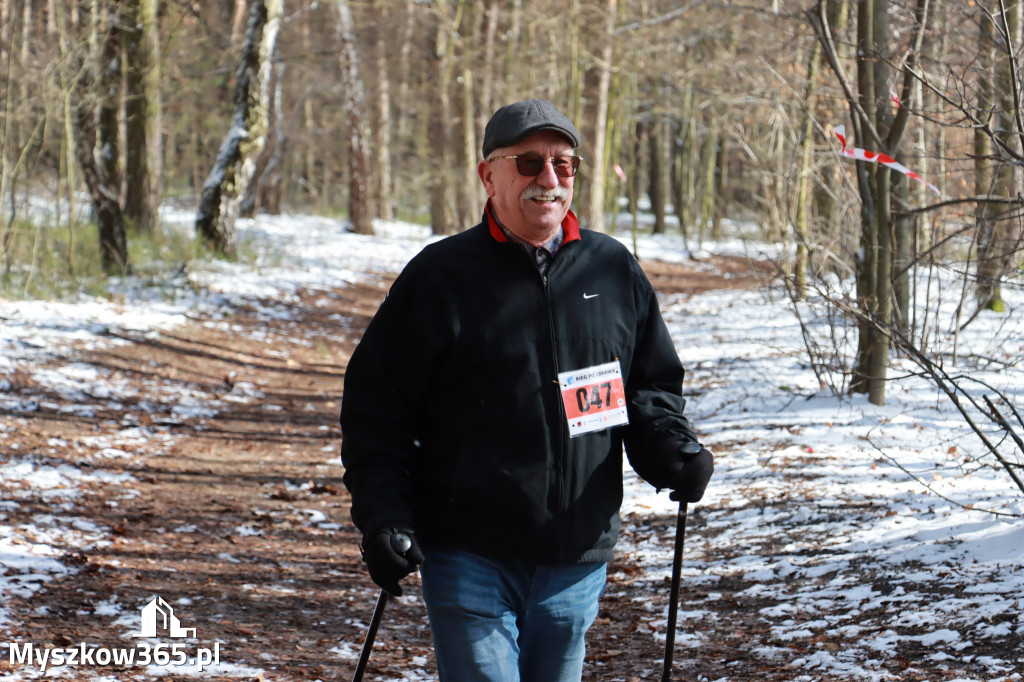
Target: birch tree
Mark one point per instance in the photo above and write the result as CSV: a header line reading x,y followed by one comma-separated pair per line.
x,y
97,134
236,160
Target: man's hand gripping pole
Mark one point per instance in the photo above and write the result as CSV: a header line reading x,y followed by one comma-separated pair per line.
x,y
400,542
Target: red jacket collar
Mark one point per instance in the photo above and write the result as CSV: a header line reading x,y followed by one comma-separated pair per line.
x,y
570,226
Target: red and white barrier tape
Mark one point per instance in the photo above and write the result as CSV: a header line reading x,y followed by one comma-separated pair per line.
x,y
875,157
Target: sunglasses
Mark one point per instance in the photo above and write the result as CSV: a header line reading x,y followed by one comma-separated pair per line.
x,y
533,164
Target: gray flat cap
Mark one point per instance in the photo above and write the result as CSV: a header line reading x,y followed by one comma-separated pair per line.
x,y
513,122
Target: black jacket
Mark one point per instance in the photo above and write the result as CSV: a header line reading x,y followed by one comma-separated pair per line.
x,y
452,417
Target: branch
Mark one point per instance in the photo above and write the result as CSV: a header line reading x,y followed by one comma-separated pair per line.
x,y
934,247
999,419
946,384
932,490
654,21
819,24
982,199
975,121
899,124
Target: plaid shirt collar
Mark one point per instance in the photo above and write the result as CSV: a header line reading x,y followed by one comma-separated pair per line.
x,y
550,247
569,231
542,255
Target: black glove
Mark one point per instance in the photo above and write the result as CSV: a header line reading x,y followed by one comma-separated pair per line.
x,y
388,559
689,468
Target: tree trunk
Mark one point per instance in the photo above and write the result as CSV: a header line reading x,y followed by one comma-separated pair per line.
x,y
659,170
640,166
139,207
95,137
471,192
801,226
106,193
154,103
903,254
412,14
310,176
382,189
513,56
66,74
721,178
983,162
485,104
998,235
878,358
873,346
592,207
355,104
709,157
271,181
233,169
264,190
443,211
685,167
113,245
875,126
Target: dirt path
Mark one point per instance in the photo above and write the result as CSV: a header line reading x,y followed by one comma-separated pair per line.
x,y
232,508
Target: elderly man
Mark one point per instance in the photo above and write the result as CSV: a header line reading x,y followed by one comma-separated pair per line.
x,y
486,408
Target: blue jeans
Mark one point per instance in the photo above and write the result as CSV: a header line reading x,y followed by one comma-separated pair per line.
x,y
499,621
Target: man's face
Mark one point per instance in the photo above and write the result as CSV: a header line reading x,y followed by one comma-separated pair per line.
x,y
531,207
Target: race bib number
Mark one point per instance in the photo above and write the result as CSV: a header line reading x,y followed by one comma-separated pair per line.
x,y
594,398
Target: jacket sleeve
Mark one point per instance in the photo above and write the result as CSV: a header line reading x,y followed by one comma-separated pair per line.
x,y
654,391
386,378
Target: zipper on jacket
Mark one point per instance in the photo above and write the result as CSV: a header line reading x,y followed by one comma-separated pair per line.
x,y
561,453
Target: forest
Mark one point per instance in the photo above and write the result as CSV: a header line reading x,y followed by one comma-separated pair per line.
x,y
875,139
203,202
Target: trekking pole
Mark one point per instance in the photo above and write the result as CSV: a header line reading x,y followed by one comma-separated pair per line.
x,y
673,607
371,634
401,543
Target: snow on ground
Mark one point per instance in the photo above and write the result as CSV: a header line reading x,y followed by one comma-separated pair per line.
x,y
938,564
948,560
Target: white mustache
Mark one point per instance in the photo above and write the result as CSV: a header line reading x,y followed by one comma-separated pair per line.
x,y
533,191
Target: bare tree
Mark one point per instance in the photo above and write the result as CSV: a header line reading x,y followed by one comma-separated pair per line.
x,y
235,163
381,172
97,137
142,105
999,235
355,104
874,124
443,213
660,158
598,88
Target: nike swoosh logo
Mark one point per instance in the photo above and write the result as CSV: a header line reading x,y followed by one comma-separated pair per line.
x,y
590,296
